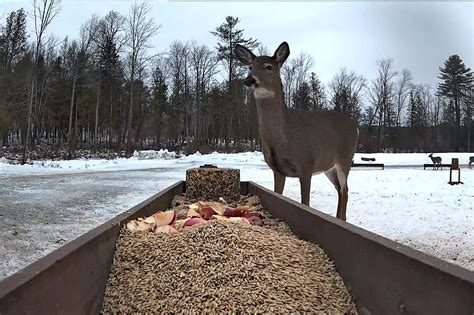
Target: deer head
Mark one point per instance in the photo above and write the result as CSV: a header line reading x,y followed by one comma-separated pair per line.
x,y
264,75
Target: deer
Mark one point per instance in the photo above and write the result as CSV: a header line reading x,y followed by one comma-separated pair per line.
x,y
471,161
436,161
298,143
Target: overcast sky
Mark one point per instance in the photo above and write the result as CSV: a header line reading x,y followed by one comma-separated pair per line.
x,y
418,36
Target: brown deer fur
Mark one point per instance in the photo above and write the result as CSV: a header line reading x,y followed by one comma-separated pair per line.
x,y
299,143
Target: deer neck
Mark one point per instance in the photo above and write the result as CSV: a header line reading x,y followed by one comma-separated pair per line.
x,y
272,116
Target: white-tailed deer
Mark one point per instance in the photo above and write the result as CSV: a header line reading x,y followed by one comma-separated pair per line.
x,y
471,161
436,161
298,143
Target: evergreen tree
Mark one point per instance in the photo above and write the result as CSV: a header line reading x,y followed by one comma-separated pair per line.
x,y
457,80
317,96
229,35
341,100
418,115
302,97
13,39
160,100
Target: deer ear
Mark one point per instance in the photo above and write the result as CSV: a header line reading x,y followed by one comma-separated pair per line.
x,y
245,56
282,53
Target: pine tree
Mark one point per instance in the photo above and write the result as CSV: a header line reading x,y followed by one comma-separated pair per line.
x,y
302,97
417,115
229,35
160,100
457,80
13,39
317,96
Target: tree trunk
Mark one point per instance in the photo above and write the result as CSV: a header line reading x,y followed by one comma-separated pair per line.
x,y
71,110
96,125
28,123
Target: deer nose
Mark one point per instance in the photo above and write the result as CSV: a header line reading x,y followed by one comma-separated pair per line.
x,y
249,81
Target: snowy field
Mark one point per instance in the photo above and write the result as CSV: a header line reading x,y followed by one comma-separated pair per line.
x,y
49,203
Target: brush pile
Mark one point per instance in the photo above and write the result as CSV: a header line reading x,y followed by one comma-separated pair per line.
x,y
220,265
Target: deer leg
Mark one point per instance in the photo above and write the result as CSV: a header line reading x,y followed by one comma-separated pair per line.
x,y
305,182
342,174
332,176
279,182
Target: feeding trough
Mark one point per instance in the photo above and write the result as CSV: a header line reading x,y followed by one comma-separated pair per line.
x,y
383,276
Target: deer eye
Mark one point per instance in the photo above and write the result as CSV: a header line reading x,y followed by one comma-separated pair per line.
x,y
269,67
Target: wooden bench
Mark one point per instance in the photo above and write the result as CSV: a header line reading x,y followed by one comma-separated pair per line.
x,y
432,165
368,165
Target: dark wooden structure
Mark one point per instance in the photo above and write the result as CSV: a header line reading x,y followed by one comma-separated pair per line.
x,y
433,165
381,165
455,167
384,277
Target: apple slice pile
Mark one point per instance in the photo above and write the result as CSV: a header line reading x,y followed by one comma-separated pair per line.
x,y
197,213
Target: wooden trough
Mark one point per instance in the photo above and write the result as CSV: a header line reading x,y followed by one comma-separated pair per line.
x,y
384,277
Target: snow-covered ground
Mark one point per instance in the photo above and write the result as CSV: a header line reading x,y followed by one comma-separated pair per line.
x,y
49,203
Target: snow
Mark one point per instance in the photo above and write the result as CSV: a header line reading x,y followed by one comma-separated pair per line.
x,y
152,154
403,202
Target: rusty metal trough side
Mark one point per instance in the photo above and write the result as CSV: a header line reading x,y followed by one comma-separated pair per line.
x,y
385,277
72,279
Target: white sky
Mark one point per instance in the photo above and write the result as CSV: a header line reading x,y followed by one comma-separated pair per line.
x,y
418,36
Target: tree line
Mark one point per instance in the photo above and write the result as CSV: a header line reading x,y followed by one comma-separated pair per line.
x,y
106,89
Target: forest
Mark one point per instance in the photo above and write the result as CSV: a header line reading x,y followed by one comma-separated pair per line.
x,y
107,90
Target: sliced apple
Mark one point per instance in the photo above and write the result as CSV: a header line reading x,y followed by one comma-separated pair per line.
x,y
165,217
142,226
150,220
132,225
194,206
207,212
218,207
243,208
238,220
194,221
219,217
231,212
179,224
192,214
165,229
253,214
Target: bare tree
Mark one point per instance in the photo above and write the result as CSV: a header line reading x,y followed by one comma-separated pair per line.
x,y
302,64
294,73
263,50
381,95
346,90
79,56
140,30
288,75
204,67
382,92
44,11
403,87
428,101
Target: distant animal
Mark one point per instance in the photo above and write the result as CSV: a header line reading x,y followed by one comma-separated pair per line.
x,y
436,161
298,143
471,161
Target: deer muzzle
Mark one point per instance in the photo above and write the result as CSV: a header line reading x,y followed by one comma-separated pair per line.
x,y
249,81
